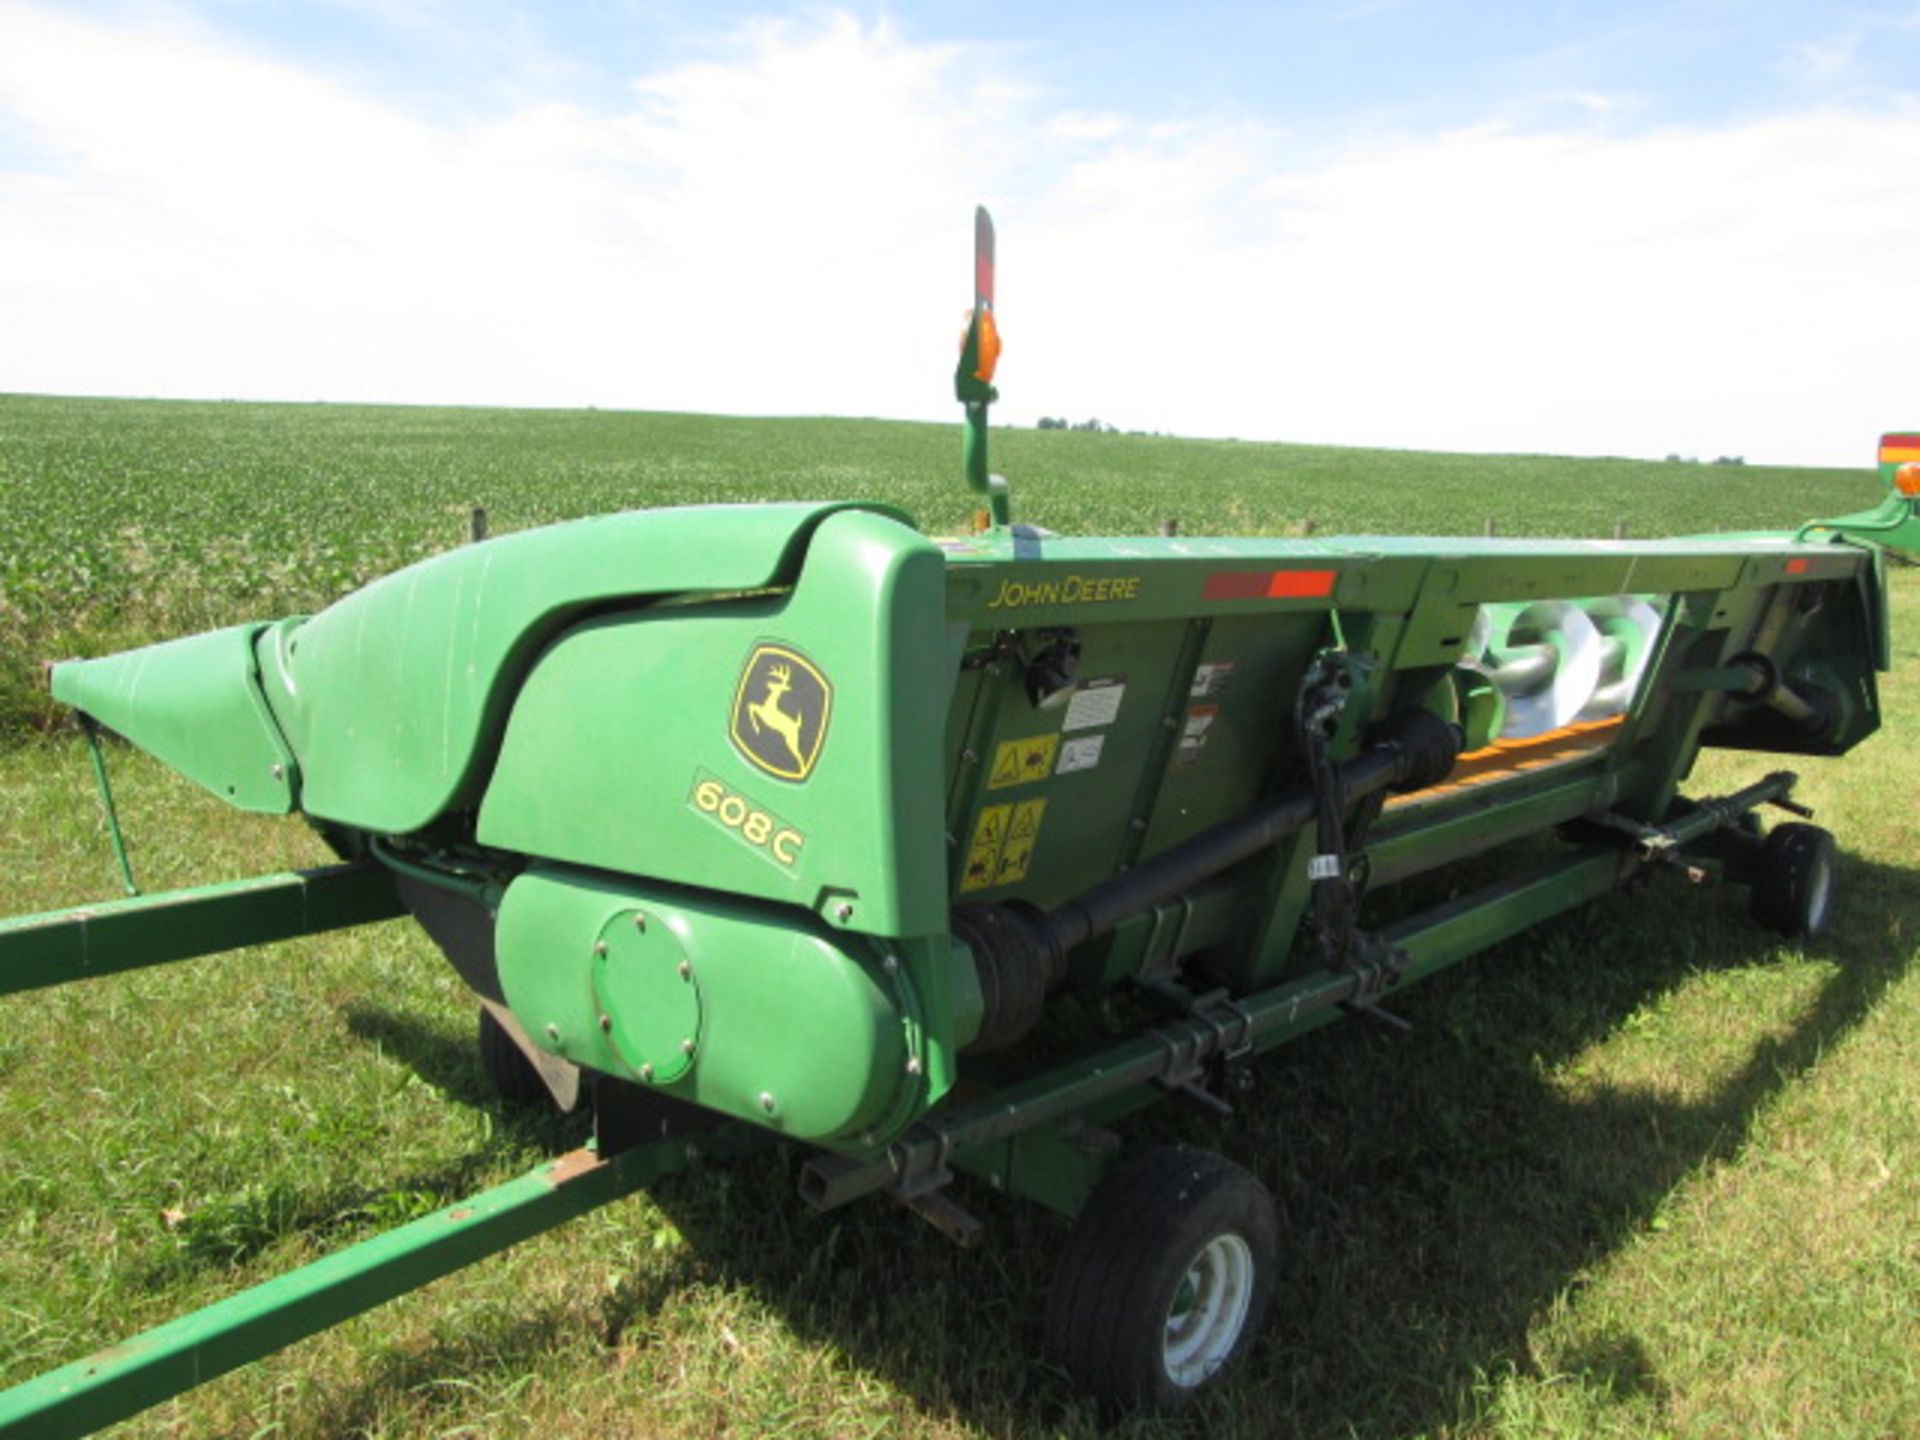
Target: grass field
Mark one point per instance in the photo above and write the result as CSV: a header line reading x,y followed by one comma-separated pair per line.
x,y
127,521
1644,1172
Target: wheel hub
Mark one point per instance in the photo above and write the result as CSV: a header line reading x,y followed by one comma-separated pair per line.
x,y
1209,1310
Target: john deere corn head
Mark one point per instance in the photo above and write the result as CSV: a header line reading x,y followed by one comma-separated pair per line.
x,y
786,820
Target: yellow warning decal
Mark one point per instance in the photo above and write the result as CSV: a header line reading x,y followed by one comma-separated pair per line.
x,y
983,855
1002,848
1022,833
1016,762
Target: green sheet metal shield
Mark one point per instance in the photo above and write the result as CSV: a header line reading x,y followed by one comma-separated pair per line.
x,y
780,711
644,983
745,1008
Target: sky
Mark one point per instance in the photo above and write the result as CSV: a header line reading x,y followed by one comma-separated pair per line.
x,y
1576,228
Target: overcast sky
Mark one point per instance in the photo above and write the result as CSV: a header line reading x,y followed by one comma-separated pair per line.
x,y
1627,228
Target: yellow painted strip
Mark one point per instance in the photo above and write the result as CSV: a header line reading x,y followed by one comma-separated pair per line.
x,y
1898,454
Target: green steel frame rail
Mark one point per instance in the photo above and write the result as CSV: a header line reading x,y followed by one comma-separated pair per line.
x,y
62,945
124,1379
1217,1027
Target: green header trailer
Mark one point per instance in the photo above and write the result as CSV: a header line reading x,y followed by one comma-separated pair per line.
x,y
787,821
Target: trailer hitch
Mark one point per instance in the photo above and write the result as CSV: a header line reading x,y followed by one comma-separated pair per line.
x,y
1665,844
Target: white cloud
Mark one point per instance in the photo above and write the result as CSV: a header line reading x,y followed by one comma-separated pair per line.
x,y
1731,291
1828,62
785,229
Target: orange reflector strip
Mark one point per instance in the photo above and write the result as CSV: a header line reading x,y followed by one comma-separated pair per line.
x,y
1796,567
989,346
1295,584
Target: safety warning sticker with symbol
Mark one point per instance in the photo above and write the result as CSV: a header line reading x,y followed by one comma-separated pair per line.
x,y
1081,753
983,855
1002,848
1016,762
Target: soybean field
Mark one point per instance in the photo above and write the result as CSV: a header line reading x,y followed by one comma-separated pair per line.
x,y
127,521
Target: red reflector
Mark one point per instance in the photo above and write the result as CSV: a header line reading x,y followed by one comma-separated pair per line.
x,y
1269,584
982,257
1236,585
1796,567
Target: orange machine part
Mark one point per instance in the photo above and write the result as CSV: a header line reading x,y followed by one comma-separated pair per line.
x,y
1505,759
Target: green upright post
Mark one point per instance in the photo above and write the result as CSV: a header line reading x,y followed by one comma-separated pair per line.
x,y
973,380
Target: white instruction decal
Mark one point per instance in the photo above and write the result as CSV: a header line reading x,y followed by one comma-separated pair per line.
x,y
1193,736
1211,679
1080,754
1095,703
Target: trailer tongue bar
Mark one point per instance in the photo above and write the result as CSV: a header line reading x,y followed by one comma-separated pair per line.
x,y
126,1378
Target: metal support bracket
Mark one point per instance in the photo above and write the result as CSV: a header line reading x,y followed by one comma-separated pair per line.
x,y
1665,844
91,729
1203,1056
1378,965
921,1170
948,1216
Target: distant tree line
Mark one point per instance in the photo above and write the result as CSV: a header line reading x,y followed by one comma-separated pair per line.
x,y
1722,460
1094,426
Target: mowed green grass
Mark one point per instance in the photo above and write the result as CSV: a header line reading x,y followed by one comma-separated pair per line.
x,y
1642,1172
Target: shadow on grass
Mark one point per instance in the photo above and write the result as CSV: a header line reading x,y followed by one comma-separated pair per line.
x,y
1437,1193
233,1229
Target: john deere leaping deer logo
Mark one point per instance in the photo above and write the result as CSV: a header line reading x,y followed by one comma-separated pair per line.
x,y
780,711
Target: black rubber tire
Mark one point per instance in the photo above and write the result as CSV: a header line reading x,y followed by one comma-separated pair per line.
x,y
509,1072
1794,882
1163,1216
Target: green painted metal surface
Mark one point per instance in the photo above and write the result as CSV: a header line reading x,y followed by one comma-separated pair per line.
x,y
976,1134
116,935
628,746
195,703
742,1007
146,1369
393,697
1894,522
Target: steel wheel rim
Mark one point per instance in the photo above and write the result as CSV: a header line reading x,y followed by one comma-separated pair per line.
x,y
1208,1310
